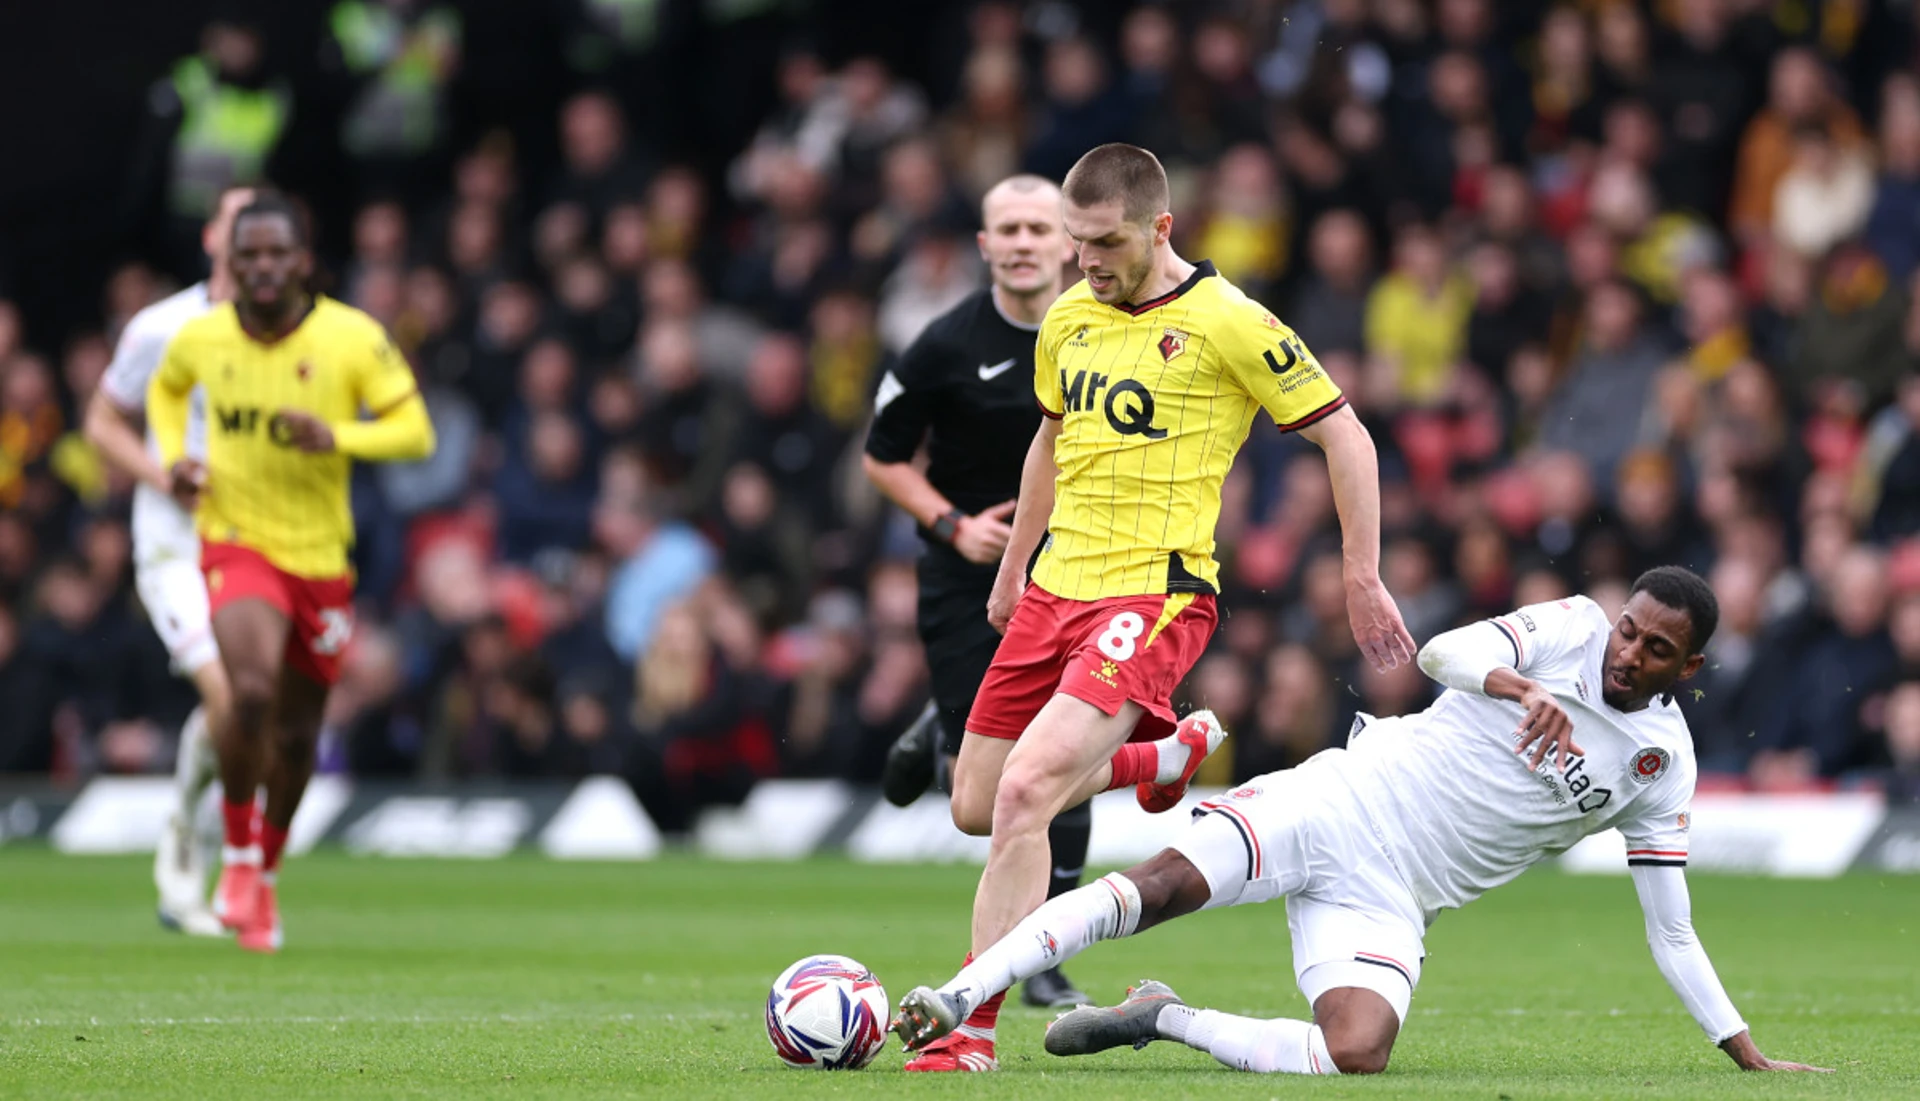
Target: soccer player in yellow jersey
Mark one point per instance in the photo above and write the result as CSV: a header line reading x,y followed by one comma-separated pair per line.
x,y
1150,374
296,388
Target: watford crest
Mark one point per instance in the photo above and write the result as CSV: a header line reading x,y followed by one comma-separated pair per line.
x,y
1172,344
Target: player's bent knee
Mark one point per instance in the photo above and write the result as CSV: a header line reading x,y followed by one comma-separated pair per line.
x,y
1357,1054
1024,802
972,815
971,804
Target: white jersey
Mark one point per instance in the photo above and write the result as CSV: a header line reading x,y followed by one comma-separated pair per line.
x,y
1460,813
162,530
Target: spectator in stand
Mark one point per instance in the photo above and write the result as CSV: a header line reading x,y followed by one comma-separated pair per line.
x,y
1825,195
1508,214
1893,226
26,693
766,543
940,267
599,169
1713,322
1597,411
1655,528
510,318
658,560
1700,83
1329,310
1852,337
1294,718
700,735
983,137
724,335
1507,315
1221,684
1247,227
1417,317
545,490
1900,750
394,62
1817,730
846,358
1799,95
1889,473
1566,97
1745,678
679,402
1083,107
31,421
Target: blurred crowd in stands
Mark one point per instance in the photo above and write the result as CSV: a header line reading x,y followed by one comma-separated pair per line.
x,y
1614,284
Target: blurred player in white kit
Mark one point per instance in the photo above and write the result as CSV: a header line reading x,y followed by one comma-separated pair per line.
x,y
1416,815
167,560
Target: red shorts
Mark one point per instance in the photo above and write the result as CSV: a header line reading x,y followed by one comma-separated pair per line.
x,y
320,609
1105,652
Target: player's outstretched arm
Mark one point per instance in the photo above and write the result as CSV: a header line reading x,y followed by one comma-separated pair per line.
x,y
1683,962
1355,471
1030,518
111,431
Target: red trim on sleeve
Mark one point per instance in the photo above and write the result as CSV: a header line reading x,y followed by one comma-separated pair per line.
x,y
1046,412
1316,416
1656,852
1513,634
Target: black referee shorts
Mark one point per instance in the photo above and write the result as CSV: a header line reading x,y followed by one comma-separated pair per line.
x,y
960,644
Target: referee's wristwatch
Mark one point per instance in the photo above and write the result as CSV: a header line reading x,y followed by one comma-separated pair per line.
x,y
947,526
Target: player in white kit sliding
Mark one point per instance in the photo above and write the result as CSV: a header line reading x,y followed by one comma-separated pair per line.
x,y
166,554
1416,815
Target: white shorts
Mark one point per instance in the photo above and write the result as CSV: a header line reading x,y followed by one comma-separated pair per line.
x,y
175,595
1301,835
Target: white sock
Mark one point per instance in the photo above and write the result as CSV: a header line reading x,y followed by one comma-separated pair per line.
x,y
1173,754
1061,928
1173,760
194,765
1245,1043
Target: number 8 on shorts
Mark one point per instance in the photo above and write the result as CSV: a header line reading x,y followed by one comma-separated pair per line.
x,y
1118,642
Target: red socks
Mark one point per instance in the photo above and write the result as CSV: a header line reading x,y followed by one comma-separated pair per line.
x,y
1135,763
238,821
272,840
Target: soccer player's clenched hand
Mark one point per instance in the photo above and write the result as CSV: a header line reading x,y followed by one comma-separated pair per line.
x,y
306,431
1377,625
1545,727
186,480
1001,602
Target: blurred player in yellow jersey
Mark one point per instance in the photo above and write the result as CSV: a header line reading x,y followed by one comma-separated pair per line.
x,y
296,388
1150,374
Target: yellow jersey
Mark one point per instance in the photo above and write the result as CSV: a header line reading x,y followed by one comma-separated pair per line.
x,y
1155,401
262,493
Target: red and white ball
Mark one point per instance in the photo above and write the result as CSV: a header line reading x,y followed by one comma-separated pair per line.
x,y
827,1013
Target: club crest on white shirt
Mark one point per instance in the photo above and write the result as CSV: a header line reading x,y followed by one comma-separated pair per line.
x,y
1648,764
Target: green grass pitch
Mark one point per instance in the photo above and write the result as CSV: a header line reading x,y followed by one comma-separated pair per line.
x,y
526,978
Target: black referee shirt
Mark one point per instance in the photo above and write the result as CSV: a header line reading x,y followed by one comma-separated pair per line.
x,y
966,387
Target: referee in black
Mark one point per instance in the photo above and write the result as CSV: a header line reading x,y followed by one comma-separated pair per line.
x,y
965,389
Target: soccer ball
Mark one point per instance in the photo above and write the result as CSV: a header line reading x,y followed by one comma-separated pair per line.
x,y
828,1013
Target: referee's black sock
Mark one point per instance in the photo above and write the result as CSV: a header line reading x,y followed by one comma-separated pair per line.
x,y
1067,837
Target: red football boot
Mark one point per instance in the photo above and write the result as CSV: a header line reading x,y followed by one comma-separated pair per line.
x,y
1201,733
